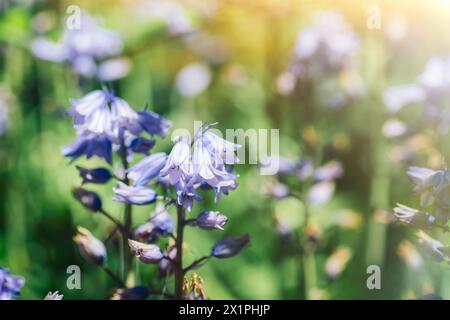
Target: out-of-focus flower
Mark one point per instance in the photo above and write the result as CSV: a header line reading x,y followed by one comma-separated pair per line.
x,y
147,253
114,69
166,267
53,296
433,247
348,219
135,293
229,246
80,47
10,285
91,249
337,262
276,190
411,256
147,169
329,171
434,188
136,195
162,221
329,46
397,97
414,217
286,83
321,192
97,175
431,89
210,220
193,79
396,28
146,233
159,224
89,199
394,128
172,13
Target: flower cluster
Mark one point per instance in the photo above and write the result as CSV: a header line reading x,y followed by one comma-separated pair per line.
x,y
329,46
10,285
432,90
87,48
325,54
105,123
433,188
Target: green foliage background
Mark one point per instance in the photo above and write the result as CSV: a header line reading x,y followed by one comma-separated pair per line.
x,y
38,215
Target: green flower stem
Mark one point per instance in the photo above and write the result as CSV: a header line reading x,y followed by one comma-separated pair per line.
x,y
179,272
127,225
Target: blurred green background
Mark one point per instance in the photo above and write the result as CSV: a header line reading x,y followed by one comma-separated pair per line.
x,y
246,46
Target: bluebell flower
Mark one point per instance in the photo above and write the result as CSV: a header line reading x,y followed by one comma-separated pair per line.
x,y
91,249
102,113
146,233
97,175
178,165
153,123
89,199
136,195
162,221
208,164
10,285
147,253
229,246
187,193
223,151
203,163
414,217
210,220
89,145
141,145
147,169
159,224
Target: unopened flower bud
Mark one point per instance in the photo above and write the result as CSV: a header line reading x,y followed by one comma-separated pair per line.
x,y
229,246
210,220
89,199
147,253
97,175
91,249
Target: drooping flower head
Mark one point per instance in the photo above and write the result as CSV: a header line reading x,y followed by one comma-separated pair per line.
x,y
201,162
103,120
91,249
